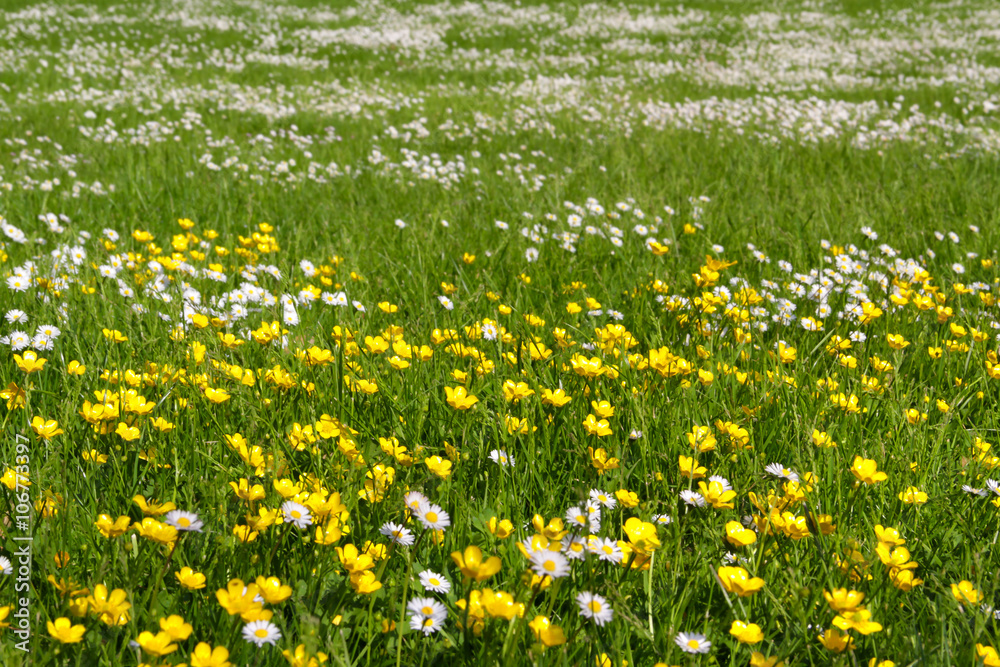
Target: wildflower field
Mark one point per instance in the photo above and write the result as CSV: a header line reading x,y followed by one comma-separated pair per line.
x,y
417,333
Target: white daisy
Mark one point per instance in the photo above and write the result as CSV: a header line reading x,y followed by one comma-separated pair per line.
x,y
5,566
414,499
577,518
692,642
186,521
605,499
575,547
433,517
432,581
692,498
16,316
549,563
501,458
427,614
606,549
397,533
18,340
595,607
261,632
781,471
296,514
18,283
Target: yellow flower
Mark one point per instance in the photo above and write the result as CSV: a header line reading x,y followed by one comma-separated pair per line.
x,y
595,427
642,536
30,362
746,633
472,565
458,398
109,528
738,536
690,468
545,632
859,620
866,470
238,599
216,395
158,644
557,398
154,530
501,529
14,396
737,580
365,582
152,507
841,599
46,429
717,494
913,496
95,456
600,460
988,655
245,491
176,627
438,466
190,579
515,391
126,432
786,354
836,642
76,368
300,658
965,592
822,439
588,368
111,607
627,498
206,656
896,341
272,590
114,335
701,439
758,659
63,630
245,534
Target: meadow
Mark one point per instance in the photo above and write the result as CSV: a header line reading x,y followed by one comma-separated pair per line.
x,y
499,333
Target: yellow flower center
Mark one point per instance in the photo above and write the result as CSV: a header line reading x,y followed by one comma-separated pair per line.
x,y
262,632
594,606
693,643
184,521
432,517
